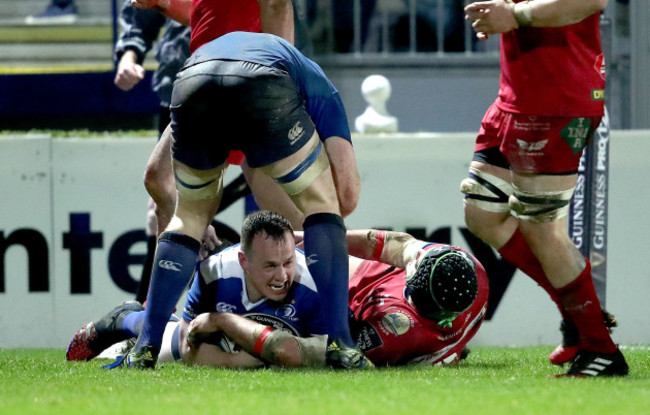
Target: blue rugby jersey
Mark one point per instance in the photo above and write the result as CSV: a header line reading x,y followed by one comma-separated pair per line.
x,y
219,286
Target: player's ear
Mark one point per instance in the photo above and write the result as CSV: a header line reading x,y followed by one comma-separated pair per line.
x,y
243,261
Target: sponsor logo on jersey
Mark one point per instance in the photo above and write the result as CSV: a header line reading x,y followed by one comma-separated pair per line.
x,y
295,133
170,265
532,124
532,147
597,94
286,311
273,321
396,323
367,337
225,307
577,133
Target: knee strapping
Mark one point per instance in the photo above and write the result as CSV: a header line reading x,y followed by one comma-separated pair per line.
x,y
486,191
199,185
300,177
540,206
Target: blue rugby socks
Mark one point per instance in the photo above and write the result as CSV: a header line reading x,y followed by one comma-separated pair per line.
x,y
173,267
326,252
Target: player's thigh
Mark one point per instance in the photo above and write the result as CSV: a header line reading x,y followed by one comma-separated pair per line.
x,y
487,211
199,194
489,183
306,177
270,196
541,203
320,196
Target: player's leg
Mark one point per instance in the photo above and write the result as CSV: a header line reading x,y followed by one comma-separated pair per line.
x,y
151,233
488,188
198,166
270,196
306,177
487,214
159,180
199,193
99,334
123,322
541,204
482,189
152,230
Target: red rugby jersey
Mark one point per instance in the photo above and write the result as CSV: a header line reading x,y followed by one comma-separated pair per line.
x,y
556,72
210,19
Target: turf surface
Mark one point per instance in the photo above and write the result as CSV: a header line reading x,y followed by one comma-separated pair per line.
x,y
490,381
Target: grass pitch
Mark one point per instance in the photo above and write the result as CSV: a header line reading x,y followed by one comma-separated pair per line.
x,y
490,381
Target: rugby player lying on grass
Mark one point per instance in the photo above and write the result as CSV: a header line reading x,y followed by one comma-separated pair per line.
x,y
255,304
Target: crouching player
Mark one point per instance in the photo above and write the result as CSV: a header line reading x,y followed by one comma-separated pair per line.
x,y
411,301
264,278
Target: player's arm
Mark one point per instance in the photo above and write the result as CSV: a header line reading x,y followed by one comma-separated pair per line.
x,y
178,10
500,16
345,173
139,29
326,110
129,71
277,347
276,17
395,248
195,351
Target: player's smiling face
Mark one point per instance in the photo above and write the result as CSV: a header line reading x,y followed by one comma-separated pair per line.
x,y
270,268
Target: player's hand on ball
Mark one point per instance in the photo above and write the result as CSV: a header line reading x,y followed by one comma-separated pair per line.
x,y
200,329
